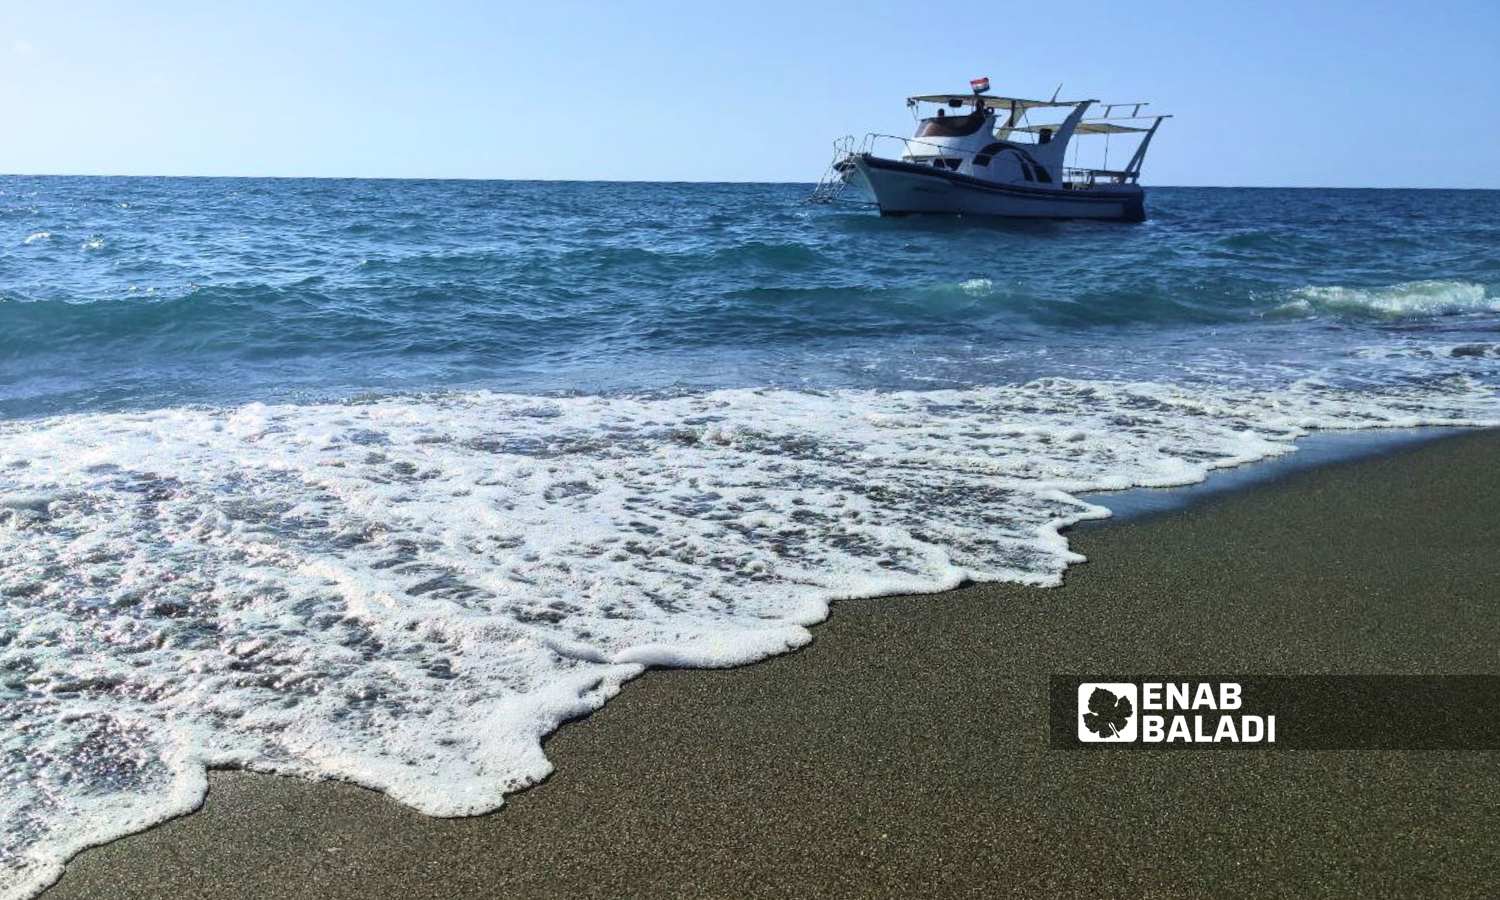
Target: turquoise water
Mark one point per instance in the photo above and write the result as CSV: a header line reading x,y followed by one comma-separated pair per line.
x,y
384,480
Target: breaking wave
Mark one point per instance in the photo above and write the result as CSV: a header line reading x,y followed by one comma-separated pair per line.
x,y
1411,300
411,593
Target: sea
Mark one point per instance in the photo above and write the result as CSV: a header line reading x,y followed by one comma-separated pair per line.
x,y
385,480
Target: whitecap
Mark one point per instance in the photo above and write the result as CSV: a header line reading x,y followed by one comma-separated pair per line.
x,y
1412,299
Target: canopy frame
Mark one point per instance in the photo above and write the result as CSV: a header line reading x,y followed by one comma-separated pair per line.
x,y
1089,126
989,101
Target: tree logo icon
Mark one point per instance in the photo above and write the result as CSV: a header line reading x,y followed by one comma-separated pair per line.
x,y
1107,712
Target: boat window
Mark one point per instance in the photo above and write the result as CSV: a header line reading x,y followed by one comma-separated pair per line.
x,y
988,153
953,164
952,126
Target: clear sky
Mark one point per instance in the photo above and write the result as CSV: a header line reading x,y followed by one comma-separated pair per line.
x,y
1335,93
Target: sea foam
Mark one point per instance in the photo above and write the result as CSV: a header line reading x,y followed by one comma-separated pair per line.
x,y
1414,299
410,593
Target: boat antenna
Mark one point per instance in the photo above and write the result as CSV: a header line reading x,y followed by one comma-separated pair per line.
x,y
1056,92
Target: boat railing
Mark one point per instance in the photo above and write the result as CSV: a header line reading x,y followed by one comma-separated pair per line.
x,y
916,148
830,187
928,149
1091,177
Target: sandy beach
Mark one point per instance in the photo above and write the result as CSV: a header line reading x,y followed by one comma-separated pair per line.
x,y
904,753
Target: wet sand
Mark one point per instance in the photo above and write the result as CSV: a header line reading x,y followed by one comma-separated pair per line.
x,y
904,753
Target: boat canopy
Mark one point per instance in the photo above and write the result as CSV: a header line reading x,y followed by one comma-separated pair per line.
x,y
990,102
1087,126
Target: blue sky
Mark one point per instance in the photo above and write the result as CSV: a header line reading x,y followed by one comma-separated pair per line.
x,y
1334,93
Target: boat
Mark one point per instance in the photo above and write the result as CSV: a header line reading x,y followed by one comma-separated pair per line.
x,y
985,155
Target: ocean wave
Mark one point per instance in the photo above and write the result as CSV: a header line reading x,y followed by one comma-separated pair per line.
x,y
215,323
194,312
410,593
564,263
1409,300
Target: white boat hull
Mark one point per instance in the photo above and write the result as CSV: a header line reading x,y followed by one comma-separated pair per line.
x,y
901,188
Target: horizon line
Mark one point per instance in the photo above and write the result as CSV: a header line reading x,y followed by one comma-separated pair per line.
x,y
467,178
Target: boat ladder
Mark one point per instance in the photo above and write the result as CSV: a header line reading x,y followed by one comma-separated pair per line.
x,y
831,186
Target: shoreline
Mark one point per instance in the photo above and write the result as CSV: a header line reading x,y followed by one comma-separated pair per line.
x,y
1315,450
903,752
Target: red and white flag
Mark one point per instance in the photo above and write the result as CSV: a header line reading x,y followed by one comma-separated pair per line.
x,y
980,85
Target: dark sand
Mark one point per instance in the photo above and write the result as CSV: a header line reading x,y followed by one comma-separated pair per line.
x,y
904,753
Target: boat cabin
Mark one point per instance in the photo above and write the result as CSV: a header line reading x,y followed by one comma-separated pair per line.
x,y
1009,139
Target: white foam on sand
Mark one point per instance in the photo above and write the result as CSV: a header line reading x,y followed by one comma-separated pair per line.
x,y
411,593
